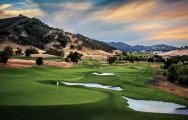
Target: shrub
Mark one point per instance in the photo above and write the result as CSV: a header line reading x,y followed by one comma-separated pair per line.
x,y
124,53
111,60
4,57
27,53
150,59
179,73
170,61
18,51
73,57
39,61
31,50
72,46
183,75
9,51
55,52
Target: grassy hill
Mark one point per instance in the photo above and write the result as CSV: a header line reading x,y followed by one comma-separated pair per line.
x,y
31,31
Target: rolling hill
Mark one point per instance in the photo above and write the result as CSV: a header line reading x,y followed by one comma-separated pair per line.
x,y
27,31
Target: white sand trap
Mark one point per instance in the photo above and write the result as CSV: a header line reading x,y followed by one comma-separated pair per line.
x,y
156,106
103,74
93,85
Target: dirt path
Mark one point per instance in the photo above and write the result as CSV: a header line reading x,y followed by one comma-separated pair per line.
x,y
18,63
162,83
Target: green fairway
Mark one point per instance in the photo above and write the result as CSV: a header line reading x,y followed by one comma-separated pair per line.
x,y
32,93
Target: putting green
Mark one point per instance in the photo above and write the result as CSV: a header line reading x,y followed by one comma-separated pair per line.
x,y
31,93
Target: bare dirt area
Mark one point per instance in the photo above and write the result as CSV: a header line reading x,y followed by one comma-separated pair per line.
x,y
15,46
18,63
162,83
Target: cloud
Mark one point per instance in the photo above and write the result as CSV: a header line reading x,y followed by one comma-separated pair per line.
x,y
176,33
128,12
147,26
27,12
77,6
5,6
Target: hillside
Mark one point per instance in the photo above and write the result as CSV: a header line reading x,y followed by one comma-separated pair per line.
x,y
27,31
121,46
175,53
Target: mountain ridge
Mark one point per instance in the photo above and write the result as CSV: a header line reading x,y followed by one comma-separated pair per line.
x,y
141,48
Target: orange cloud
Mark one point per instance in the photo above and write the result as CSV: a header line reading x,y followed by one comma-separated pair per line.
x,y
126,13
27,12
176,33
147,26
5,6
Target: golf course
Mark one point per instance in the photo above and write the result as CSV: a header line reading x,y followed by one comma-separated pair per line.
x,y
33,93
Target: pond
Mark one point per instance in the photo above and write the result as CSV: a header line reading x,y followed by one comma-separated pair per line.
x,y
103,74
156,106
92,85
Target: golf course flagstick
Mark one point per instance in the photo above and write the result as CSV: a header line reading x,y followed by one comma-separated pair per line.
x,y
57,87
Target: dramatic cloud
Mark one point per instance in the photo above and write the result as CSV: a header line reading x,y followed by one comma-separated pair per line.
x,y
4,6
176,33
131,21
28,12
129,12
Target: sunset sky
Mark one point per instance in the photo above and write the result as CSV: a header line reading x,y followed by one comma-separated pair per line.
x,y
143,22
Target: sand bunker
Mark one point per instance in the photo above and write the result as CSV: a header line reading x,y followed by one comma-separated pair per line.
x,y
156,106
92,85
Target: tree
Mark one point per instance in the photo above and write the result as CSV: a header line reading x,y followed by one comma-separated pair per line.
x,y
111,60
9,51
27,53
73,57
39,61
124,53
18,51
55,52
30,51
4,57
178,73
72,46
150,59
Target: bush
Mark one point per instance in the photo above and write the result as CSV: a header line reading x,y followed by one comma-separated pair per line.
x,y
55,52
124,53
18,51
31,51
179,73
183,75
150,59
170,61
73,57
39,61
72,46
9,51
111,60
4,57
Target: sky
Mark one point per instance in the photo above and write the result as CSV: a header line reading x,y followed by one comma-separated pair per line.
x,y
135,22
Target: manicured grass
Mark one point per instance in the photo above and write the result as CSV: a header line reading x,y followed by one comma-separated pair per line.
x,y
31,93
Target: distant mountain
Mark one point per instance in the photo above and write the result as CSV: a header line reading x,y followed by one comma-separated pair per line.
x,y
161,47
125,47
139,47
31,31
121,46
